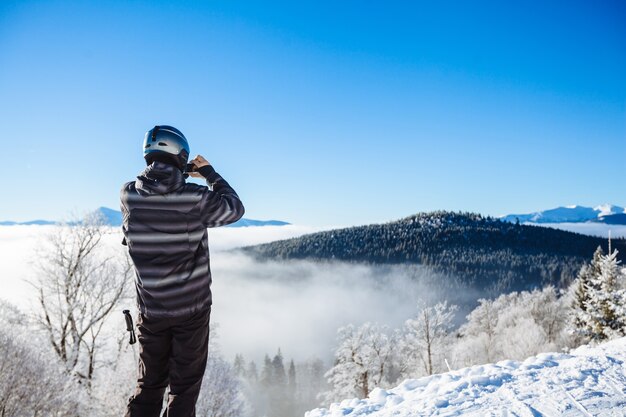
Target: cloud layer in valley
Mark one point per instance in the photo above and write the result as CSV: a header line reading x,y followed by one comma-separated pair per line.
x,y
261,306
298,305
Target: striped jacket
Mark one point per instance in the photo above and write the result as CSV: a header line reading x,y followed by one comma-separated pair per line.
x,y
165,224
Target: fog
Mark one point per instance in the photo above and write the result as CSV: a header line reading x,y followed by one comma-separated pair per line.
x,y
261,306
592,229
298,305
21,245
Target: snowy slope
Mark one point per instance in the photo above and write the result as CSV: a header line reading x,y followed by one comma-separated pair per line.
x,y
585,382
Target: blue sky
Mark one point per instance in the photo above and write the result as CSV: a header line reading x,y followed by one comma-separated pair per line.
x,y
318,113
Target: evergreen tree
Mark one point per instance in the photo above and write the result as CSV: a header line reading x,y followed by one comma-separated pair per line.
x,y
291,400
252,374
239,366
278,370
291,382
583,284
600,300
267,376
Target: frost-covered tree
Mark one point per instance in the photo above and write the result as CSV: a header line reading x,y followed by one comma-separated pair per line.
x,y
78,284
221,393
425,339
115,380
548,309
513,326
361,361
478,343
600,303
533,322
32,382
581,286
521,336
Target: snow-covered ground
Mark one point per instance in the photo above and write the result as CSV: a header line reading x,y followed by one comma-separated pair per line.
x,y
588,381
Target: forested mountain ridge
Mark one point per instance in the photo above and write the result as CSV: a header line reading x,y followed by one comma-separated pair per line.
x,y
480,250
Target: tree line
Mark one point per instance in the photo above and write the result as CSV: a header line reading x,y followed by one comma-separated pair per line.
x,y
486,252
279,388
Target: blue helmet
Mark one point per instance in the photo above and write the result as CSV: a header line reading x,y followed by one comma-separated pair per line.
x,y
167,144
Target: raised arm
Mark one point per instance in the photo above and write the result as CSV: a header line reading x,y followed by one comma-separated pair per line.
x,y
222,205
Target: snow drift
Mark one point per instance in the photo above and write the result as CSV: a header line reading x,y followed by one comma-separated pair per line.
x,y
587,381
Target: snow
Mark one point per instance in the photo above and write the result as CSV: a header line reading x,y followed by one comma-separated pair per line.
x,y
568,214
608,209
588,381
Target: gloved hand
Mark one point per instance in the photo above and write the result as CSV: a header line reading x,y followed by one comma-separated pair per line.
x,y
199,162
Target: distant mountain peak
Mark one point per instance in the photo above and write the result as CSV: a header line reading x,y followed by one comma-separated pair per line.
x,y
113,218
609,209
604,213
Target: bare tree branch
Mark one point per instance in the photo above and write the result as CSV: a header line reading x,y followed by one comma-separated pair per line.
x,y
78,285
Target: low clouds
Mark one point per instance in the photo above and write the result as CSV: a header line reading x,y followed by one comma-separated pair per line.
x,y
261,306
298,305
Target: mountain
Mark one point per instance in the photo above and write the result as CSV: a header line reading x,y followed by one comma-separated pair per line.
x,y
619,218
114,218
587,381
31,222
487,253
572,214
249,222
110,217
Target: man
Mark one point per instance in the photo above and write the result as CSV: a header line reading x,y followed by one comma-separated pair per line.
x,y
165,224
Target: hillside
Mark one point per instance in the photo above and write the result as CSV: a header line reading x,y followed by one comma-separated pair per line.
x,y
589,381
485,252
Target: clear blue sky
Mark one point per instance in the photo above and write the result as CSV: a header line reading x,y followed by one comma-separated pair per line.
x,y
319,113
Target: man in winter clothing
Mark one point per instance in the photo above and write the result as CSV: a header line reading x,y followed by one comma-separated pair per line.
x,y
165,224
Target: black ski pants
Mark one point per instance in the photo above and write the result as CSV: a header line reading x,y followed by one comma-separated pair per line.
x,y
172,351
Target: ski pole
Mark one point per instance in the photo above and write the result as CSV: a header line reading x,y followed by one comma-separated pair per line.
x,y
129,326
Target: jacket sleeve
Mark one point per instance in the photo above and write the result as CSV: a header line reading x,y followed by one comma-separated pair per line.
x,y
220,206
124,210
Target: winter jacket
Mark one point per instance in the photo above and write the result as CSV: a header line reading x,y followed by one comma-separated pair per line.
x,y
165,224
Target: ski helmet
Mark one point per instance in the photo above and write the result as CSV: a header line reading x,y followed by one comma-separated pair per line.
x,y
166,142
